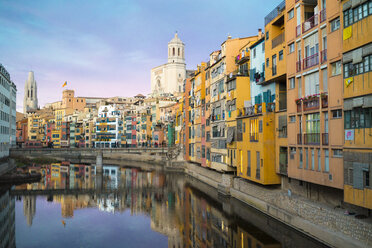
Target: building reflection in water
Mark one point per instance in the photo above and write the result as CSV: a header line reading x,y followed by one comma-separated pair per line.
x,y
187,216
7,219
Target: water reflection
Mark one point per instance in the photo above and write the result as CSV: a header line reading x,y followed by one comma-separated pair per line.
x,y
7,219
178,212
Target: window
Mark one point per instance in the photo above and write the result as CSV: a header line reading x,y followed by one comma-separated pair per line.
x,y
263,47
290,14
319,161
335,24
312,159
267,35
280,55
354,15
292,119
337,113
337,153
358,118
359,68
291,47
249,163
254,52
325,80
292,152
301,157
292,83
307,158
267,62
258,168
299,87
366,179
326,160
336,68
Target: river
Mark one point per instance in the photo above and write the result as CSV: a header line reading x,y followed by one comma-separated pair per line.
x,y
132,207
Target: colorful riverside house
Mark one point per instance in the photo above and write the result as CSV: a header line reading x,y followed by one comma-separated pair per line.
x,y
131,130
314,99
222,65
238,91
207,116
355,21
186,119
191,117
178,124
197,101
256,123
275,84
107,127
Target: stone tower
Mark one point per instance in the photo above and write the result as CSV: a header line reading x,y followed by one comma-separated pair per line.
x,y
30,99
176,50
168,78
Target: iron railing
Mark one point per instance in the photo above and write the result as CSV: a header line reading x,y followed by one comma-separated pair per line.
x,y
311,61
277,40
323,15
312,138
310,23
311,104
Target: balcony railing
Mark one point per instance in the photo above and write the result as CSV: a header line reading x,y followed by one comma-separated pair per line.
x,y
312,138
311,104
298,66
323,15
310,23
277,40
274,70
323,56
298,30
311,61
324,101
249,111
325,139
299,139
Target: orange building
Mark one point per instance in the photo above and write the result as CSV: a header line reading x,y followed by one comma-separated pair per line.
x,y
314,98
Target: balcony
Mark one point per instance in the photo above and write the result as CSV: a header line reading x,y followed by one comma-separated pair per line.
x,y
325,139
324,101
311,103
249,111
323,56
310,23
311,61
298,30
298,66
299,139
312,138
323,15
277,40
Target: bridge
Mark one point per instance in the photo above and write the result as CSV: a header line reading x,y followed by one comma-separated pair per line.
x,y
89,155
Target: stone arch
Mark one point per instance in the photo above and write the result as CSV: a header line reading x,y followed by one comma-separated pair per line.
x,y
174,51
178,51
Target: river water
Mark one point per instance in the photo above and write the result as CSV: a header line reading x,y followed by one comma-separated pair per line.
x,y
132,207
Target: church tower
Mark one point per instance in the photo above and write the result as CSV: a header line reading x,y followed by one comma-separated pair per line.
x,y
176,50
30,98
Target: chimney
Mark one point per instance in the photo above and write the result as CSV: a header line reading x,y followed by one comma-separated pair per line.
x,y
259,33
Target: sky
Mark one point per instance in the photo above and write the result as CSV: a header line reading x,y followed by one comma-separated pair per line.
x,y
106,48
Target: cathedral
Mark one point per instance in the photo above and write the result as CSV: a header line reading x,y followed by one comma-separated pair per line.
x,y
30,98
168,78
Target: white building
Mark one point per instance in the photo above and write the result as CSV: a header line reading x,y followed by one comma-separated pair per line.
x,y
109,127
8,92
30,95
168,78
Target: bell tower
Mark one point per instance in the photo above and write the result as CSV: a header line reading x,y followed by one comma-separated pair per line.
x,y
30,95
176,50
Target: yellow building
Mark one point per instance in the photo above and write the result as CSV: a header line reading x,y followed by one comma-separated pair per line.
x,y
356,20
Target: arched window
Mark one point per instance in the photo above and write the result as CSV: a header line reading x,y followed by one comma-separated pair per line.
x,y
178,52
31,92
174,51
